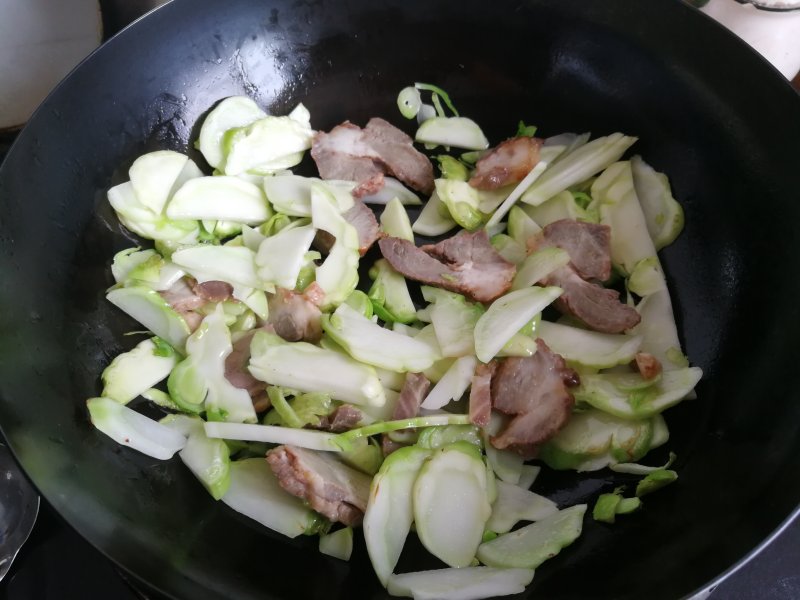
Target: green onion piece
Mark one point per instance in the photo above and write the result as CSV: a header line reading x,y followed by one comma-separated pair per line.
x,y
409,102
437,91
526,130
345,440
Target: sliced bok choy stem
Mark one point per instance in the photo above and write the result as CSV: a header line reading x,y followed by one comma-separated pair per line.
x,y
515,504
130,428
434,219
233,264
151,310
600,391
372,344
462,201
663,214
507,315
647,277
390,290
138,218
636,469
345,439
454,476
254,491
199,382
309,368
132,373
538,265
271,434
659,331
390,513
460,584
577,166
560,206
291,194
515,195
530,546
338,544
395,221
392,189
454,320
221,198
521,227
589,348
459,132
528,476
453,383
153,177
507,465
233,112
338,275
281,257
509,248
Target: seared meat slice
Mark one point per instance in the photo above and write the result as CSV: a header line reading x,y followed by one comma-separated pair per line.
x,y
344,418
480,394
466,263
588,246
213,291
343,154
535,390
388,445
508,162
415,388
329,486
647,365
237,373
185,301
363,219
365,155
593,304
397,152
294,316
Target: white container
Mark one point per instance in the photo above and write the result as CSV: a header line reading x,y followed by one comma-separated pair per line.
x,y
770,26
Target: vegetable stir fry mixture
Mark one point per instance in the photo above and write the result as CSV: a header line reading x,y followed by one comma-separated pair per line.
x,y
321,369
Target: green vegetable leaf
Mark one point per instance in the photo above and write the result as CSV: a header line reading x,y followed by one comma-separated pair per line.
x,y
655,481
526,130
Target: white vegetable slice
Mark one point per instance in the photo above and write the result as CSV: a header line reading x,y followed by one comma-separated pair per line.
x,y
221,198
269,144
515,504
129,264
507,465
454,321
129,428
507,315
663,214
453,383
560,206
468,583
208,459
395,221
133,372
338,544
539,265
311,369
236,111
528,476
515,195
281,256
533,544
234,264
392,189
589,348
338,275
455,476
434,219
291,194
577,166
140,219
389,513
659,331
152,311
460,132
255,492
272,434
153,176
372,344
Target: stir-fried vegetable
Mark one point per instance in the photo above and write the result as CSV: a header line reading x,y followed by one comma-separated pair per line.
x,y
409,407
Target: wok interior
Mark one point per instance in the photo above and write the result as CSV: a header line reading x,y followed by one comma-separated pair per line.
x,y
564,66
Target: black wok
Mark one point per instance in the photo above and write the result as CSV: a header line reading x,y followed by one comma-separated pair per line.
x,y
709,112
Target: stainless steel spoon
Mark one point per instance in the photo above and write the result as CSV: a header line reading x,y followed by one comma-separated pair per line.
x,y
19,506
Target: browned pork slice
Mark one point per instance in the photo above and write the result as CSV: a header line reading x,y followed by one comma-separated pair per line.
x,y
508,162
363,219
535,390
596,306
396,150
295,317
239,376
647,365
415,388
182,298
329,486
365,155
213,291
588,246
344,418
465,263
480,394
